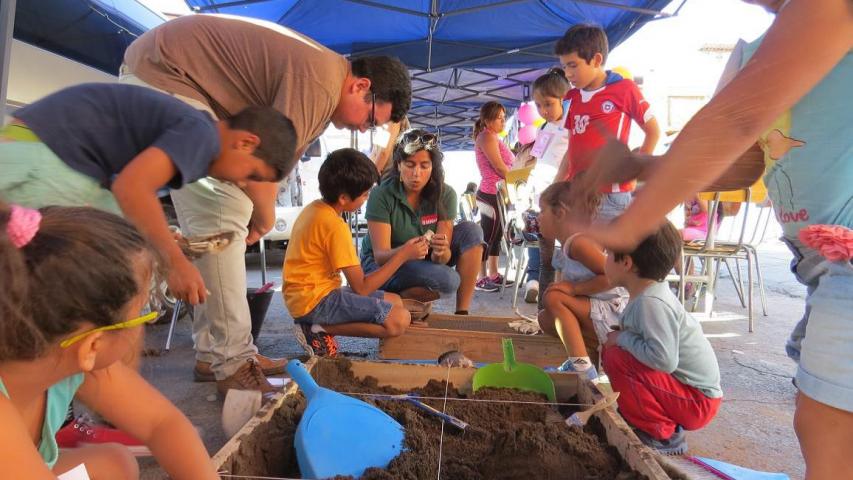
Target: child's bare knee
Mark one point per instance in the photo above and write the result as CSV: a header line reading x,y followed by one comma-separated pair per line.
x,y
397,321
393,299
114,461
551,299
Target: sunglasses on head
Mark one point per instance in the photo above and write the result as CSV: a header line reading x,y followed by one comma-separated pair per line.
x,y
418,140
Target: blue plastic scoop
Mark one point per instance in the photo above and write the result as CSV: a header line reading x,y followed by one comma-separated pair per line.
x,y
339,435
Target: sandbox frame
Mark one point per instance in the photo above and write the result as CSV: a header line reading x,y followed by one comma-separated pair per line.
x,y
478,337
405,377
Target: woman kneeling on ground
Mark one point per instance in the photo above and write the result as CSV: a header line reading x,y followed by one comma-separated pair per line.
x,y
414,201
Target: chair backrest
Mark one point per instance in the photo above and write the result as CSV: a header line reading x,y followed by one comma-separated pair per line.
x,y
504,203
751,223
748,225
467,203
509,213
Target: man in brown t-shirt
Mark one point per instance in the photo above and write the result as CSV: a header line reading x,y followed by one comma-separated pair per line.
x,y
222,64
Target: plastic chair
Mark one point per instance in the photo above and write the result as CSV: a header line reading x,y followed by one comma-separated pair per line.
x,y
740,245
513,243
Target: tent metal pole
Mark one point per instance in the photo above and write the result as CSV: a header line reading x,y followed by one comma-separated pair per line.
x,y
433,84
433,21
492,55
7,26
386,47
646,11
382,6
463,11
236,3
487,47
601,3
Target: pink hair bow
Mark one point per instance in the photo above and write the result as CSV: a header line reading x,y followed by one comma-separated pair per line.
x,y
23,225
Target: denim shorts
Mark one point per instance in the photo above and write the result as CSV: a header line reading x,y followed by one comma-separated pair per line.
x,y
343,305
424,273
822,341
613,204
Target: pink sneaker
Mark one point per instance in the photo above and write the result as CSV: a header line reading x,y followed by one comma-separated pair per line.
x,y
82,432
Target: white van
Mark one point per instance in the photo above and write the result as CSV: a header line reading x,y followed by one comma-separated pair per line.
x,y
301,187
35,73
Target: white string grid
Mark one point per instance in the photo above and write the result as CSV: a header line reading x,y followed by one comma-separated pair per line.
x,y
224,474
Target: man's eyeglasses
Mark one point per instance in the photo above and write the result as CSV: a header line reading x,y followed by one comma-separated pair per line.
x,y
413,141
147,318
371,120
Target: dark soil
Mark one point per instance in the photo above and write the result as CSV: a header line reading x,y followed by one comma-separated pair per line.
x,y
503,441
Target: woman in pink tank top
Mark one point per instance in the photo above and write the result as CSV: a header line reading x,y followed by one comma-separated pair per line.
x,y
494,159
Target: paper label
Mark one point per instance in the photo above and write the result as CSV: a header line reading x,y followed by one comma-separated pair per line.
x,y
541,144
77,473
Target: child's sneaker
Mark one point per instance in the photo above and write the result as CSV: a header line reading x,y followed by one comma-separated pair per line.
x,y
321,343
486,284
299,335
531,291
676,445
82,432
579,365
499,280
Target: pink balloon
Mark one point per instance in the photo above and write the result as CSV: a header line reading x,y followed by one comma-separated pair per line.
x,y
527,114
527,134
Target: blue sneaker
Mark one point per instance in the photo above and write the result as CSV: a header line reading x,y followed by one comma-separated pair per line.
x,y
574,366
675,445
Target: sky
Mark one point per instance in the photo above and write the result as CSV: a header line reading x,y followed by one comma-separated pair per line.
x,y
699,22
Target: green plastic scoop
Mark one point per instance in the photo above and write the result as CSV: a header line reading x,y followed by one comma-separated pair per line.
x,y
509,374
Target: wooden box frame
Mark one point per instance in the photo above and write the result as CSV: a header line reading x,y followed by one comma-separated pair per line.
x,y
478,337
405,377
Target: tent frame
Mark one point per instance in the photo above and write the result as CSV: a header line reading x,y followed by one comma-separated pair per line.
x,y
435,16
7,26
471,80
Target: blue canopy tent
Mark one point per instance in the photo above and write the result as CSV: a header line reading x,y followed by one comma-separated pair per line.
x,y
461,53
93,32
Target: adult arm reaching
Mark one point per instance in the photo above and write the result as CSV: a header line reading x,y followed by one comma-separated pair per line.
x,y
806,41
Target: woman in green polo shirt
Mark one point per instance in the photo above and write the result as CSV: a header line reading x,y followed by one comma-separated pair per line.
x,y
412,201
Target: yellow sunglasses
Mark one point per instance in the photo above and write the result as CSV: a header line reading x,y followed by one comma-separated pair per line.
x,y
147,318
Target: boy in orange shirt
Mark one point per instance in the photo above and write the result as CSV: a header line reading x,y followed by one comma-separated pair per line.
x,y
321,247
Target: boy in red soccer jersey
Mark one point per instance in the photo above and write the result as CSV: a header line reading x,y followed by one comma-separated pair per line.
x,y
602,105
